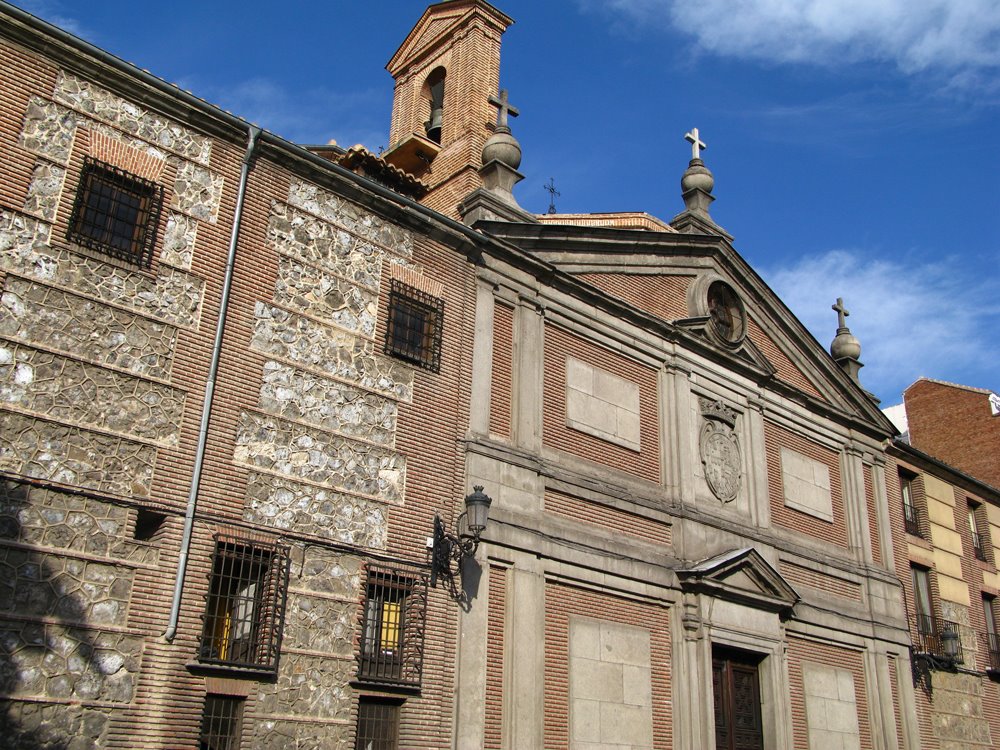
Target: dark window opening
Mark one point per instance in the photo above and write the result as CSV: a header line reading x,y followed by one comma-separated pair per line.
x,y
392,628
413,328
977,527
221,722
147,524
246,604
911,517
115,213
378,724
992,641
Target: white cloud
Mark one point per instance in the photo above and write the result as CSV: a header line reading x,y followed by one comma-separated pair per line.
x,y
54,12
913,318
916,35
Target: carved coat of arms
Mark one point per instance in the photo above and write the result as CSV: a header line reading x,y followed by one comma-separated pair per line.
x,y
720,450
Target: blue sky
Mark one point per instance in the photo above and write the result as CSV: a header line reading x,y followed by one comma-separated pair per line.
x,y
855,143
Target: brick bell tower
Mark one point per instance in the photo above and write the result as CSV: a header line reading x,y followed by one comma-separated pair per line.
x,y
445,72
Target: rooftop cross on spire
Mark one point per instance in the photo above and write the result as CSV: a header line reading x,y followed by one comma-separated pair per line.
x,y
503,109
696,143
841,311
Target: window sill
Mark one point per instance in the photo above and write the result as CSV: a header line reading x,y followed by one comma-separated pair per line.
x,y
393,688
261,674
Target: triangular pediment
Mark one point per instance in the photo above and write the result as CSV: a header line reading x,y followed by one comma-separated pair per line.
x,y
438,23
741,575
668,276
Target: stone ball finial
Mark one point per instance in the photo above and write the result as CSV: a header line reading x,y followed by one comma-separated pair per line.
x,y
698,176
502,147
845,345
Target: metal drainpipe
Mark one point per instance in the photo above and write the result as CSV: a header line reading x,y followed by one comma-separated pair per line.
x,y
206,407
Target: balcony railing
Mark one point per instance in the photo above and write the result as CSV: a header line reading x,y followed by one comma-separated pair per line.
x,y
911,519
939,639
993,650
977,546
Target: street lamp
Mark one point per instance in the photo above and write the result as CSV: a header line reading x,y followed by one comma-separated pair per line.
x,y
448,547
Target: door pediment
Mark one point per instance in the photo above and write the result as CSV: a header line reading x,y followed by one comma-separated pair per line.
x,y
742,576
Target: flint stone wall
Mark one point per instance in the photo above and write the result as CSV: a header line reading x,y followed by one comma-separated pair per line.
x,y
306,453
197,192
44,190
70,455
330,298
275,734
285,504
310,344
42,726
178,240
101,104
48,130
330,404
71,391
350,216
310,686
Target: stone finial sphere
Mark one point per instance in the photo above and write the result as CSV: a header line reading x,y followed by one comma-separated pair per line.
x,y
504,148
845,345
697,176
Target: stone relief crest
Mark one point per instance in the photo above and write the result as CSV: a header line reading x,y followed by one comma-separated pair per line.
x,y
720,450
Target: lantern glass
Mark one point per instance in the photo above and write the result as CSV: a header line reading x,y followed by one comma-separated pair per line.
x,y
949,641
477,508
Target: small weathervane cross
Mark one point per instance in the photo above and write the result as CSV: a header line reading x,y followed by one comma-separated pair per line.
x,y
841,311
551,188
696,143
503,109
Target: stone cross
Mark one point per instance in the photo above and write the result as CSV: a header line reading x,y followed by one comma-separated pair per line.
x,y
503,109
696,143
841,312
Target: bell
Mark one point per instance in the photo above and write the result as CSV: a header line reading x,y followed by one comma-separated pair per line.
x,y
433,126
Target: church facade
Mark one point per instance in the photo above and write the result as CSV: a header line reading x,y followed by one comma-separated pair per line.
x,y
245,387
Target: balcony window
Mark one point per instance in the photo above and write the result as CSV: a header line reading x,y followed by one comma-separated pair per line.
x,y
392,628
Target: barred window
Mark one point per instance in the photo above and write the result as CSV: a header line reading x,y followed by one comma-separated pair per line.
x,y
392,628
220,723
115,212
246,604
413,327
378,724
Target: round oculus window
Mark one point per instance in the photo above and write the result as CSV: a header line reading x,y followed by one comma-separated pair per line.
x,y
725,309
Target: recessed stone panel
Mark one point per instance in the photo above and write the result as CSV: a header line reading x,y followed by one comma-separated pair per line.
x,y
602,404
44,190
197,192
310,686
831,707
610,686
806,482
178,240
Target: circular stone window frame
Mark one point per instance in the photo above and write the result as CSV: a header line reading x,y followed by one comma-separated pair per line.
x,y
698,305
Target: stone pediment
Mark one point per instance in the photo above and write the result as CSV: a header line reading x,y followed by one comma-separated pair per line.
x,y
746,350
741,576
438,23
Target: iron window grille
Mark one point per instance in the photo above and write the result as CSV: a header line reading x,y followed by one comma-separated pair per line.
x,y
221,723
910,516
993,648
115,213
931,636
413,327
246,604
378,724
392,628
977,546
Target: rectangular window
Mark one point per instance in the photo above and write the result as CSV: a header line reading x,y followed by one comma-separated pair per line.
x,y
392,628
220,723
115,213
910,517
378,724
927,630
978,537
413,327
246,604
992,642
